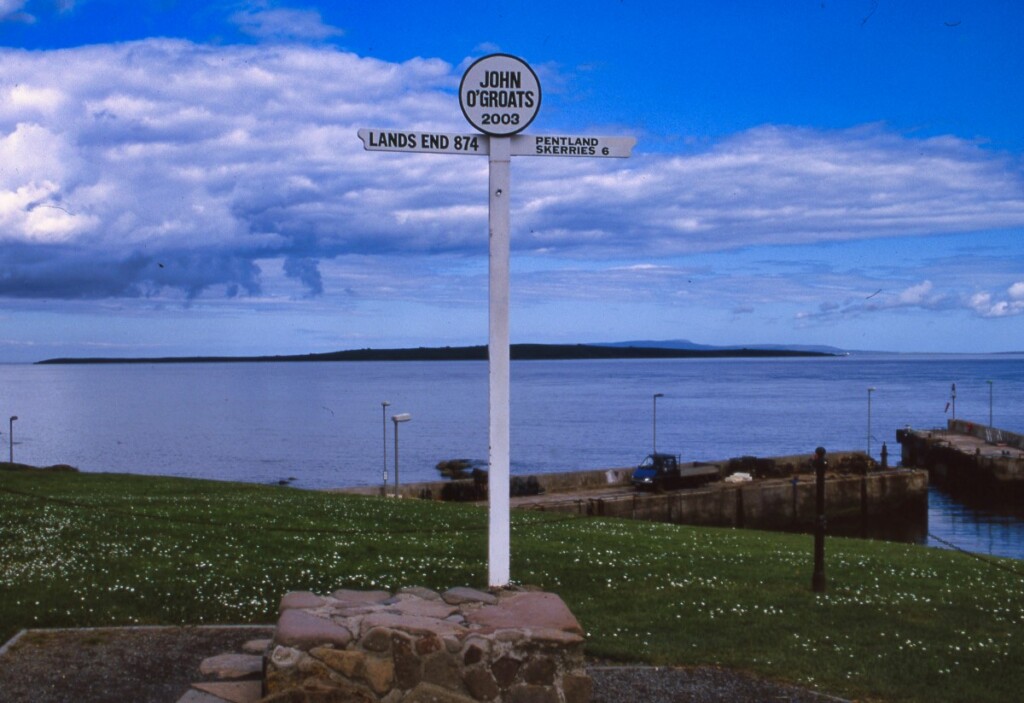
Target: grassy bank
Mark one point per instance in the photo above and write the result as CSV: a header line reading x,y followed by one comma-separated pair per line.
x,y
898,623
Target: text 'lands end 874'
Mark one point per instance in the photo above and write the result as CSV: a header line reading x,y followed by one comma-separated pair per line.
x,y
522,144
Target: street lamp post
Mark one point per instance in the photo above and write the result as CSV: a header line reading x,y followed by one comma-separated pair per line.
x,y
384,427
989,404
10,435
401,417
655,420
870,391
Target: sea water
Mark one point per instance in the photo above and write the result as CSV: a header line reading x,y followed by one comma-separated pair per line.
x,y
321,425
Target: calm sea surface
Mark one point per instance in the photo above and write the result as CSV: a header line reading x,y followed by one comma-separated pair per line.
x,y
321,423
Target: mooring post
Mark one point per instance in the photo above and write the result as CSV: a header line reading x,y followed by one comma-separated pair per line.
x,y
796,511
818,581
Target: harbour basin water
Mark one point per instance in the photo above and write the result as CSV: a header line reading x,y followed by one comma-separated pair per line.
x,y
320,425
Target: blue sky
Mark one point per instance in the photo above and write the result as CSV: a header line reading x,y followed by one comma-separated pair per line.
x,y
185,177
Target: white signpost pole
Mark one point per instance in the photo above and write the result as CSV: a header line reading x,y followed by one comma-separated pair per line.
x,y
498,354
500,96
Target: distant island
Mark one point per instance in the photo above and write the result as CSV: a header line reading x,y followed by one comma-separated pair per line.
x,y
519,352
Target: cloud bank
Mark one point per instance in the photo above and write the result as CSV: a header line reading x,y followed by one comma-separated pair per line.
x,y
165,168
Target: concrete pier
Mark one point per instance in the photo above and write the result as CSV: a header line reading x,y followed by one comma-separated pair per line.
x,y
775,504
968,455
780,495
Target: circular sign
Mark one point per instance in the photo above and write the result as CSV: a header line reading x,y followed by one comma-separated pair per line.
x,y
499,95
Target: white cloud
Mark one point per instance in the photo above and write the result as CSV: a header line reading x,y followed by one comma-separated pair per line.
x,y
10,11
284,23
920,296
209,159
985,305
41,100
915,295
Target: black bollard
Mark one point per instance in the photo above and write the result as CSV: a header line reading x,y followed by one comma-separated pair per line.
x,y
818,581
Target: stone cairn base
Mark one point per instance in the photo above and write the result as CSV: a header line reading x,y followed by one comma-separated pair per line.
x,y
419,646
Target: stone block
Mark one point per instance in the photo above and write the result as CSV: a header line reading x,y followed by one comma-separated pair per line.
x,y
284,657
429,693
577,688
443,670
551,636
480,684
511,635
379,673
428,645
377,639
256,646
408,667
473,655
348,662
232,691
505,670
527,610
412,624
424,608
232,666
301,599
351,598
297,628
540,671
420,592
313,668
461,594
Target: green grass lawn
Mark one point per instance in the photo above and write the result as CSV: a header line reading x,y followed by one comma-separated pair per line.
x,y
898,622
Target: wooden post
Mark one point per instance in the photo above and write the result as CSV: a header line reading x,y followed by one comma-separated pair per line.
x,y
818,581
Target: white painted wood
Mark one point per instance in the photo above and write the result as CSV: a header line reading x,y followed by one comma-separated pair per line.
x,y
586,145
499,532
423,142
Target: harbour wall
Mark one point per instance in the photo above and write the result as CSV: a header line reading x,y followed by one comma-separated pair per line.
x,y
968,456
992,435
774,504
858,494
593,479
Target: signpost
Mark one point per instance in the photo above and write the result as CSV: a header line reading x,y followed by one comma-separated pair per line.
x,y
500,96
